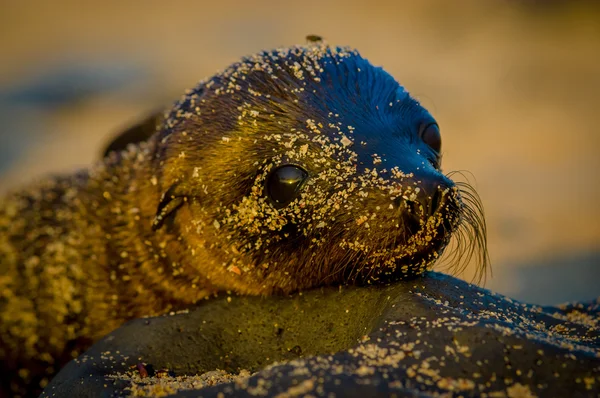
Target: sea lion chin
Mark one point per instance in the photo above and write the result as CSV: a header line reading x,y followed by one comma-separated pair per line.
x,y
291,169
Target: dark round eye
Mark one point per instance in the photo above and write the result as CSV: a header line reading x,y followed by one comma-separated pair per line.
x,y
432,137
284,184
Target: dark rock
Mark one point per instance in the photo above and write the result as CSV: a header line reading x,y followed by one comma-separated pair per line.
x,y
425,337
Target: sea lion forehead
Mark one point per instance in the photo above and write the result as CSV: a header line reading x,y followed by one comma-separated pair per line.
x,y
320,77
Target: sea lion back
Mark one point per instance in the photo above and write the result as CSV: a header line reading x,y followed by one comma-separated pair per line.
x,y
45,291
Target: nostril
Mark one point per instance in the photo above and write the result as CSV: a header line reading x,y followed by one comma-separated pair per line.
x,y
428,197
426,203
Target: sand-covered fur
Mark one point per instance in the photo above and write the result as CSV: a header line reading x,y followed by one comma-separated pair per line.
x,y
191,211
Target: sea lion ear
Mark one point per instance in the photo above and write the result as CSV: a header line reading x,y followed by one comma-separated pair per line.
x,y
169,202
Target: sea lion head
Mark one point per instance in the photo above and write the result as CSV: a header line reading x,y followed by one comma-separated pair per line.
x,y
308,165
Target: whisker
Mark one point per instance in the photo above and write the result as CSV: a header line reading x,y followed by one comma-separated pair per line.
x,y
469,241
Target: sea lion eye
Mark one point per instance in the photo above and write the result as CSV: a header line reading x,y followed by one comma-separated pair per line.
x,y
284,184
430,134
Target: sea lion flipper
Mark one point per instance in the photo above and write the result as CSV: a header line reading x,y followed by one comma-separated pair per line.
x,y
169,202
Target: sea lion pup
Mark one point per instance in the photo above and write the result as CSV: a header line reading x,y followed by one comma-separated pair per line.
x,y
293,168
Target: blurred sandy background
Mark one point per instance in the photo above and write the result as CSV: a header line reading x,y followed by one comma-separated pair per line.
x,y
514,85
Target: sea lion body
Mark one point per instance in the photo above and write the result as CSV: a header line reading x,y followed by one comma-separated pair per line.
x,y
291,169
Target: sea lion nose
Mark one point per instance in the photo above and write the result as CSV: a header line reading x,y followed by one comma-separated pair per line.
x,y
428,193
